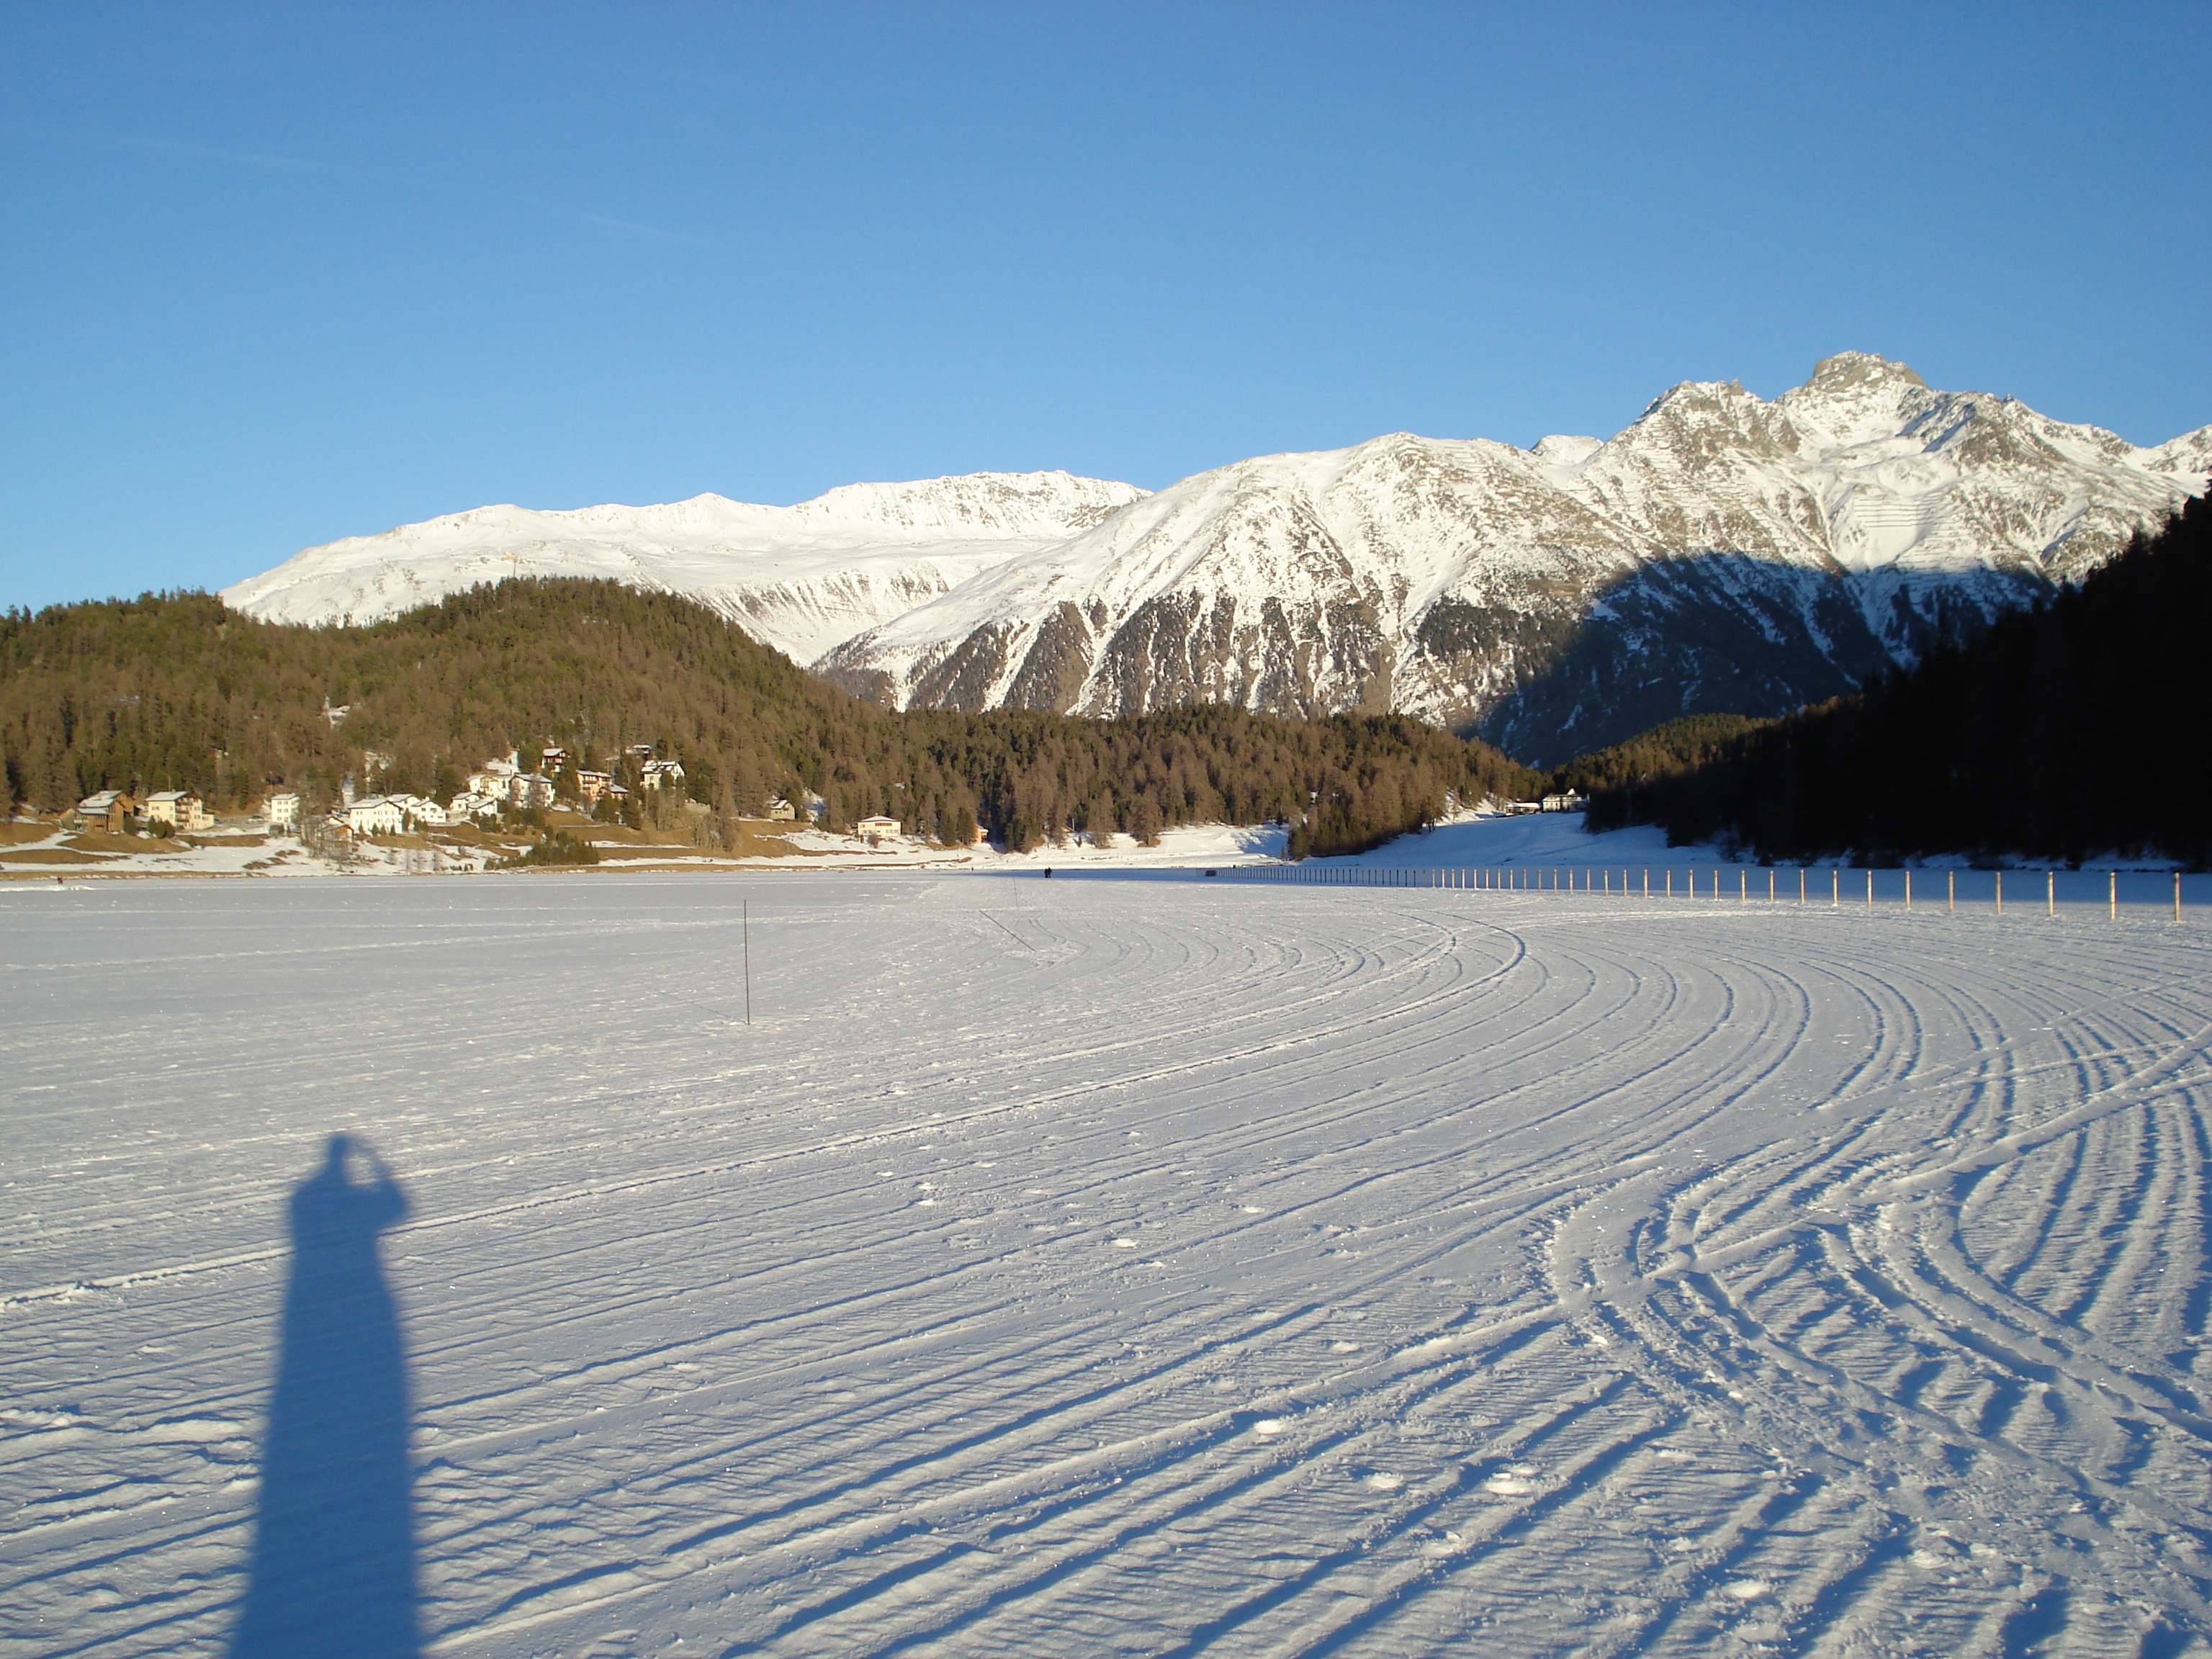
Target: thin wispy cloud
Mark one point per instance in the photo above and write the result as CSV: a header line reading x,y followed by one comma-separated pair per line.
x,y
271,163
653,232
208,153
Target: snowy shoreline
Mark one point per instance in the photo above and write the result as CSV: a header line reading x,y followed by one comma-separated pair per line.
x,y
1471,841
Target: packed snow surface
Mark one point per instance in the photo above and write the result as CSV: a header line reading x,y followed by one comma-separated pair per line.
x,y
1121,1263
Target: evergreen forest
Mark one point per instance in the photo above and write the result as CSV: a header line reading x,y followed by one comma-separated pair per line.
x,y
174,691
1672,746
2072,731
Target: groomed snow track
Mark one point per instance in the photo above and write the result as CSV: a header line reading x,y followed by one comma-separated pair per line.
x,y
1132,1265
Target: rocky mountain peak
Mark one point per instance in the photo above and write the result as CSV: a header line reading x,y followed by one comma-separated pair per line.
x,y
1724,553
1702,421
1848,369
1857,397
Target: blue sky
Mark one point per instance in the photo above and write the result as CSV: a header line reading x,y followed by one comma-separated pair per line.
x,y
272,276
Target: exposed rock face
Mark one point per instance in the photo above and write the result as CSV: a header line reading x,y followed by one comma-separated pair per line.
x,y
799,578
1722,553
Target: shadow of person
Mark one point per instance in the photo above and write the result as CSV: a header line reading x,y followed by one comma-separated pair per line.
x,y
332,1575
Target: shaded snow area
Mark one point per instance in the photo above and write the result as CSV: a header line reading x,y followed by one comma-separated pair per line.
x,y
1478,840
1099,1266
1550,851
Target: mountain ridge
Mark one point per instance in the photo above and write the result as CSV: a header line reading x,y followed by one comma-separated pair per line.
x,y
1562,597
798,578
1723,552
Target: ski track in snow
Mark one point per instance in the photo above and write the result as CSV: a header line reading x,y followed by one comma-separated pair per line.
x,y
1143,1267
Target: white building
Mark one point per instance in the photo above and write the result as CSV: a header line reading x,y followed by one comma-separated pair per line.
x,y
419,811
878,826
180,809
471,804
529,789
372,815
491,778
656,773
282,810
782,810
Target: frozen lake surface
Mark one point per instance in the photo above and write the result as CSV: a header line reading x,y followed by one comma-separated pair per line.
x,y
1098,1265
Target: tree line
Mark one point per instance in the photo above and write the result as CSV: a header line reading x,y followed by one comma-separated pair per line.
x,y
1672,746
174,691
2069,731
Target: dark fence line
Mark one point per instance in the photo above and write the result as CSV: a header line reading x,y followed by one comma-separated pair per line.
x,y
1828,886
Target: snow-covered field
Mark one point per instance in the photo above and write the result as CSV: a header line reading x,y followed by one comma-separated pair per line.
x,y
1099,1266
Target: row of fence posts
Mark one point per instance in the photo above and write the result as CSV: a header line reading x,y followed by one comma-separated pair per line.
x,y
1598,879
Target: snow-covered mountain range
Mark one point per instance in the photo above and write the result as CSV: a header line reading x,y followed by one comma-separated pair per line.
x,y
1722,552
801,579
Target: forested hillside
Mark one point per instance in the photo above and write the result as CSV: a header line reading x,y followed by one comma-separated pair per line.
x,y
1672,746
2076,729
176,691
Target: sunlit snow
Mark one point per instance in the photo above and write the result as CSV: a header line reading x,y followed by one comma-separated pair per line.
x,y
1128,1263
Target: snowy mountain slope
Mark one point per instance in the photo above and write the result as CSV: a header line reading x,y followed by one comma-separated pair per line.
x,y
1722,552
800,578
